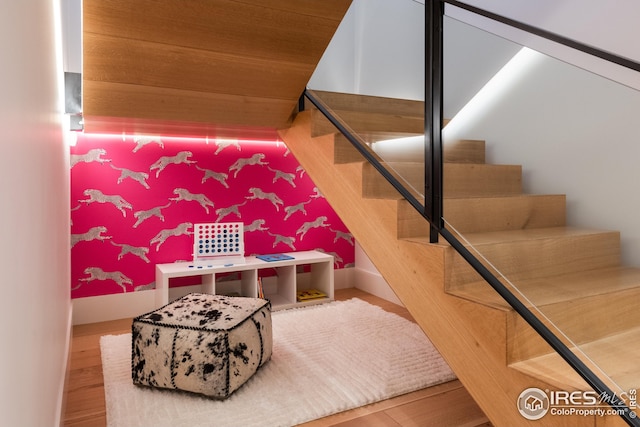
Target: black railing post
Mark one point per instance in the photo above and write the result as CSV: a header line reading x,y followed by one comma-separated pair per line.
x,y
434,12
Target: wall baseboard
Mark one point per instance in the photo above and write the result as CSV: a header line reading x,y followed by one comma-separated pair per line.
x,y
111,307
121,306
64,388
374,284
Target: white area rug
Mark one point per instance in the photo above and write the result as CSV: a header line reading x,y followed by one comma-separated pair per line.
x,y
326,359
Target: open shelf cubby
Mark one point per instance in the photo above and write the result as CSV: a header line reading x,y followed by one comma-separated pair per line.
x,y
281,279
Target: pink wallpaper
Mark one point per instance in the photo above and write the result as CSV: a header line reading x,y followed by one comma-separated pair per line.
x,y
134,201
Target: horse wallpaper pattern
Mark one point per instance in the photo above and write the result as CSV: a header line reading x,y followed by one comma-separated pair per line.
x,y
134,201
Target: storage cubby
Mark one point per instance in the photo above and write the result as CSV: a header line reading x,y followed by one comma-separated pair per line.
x,y
279,288
281,279
314,276
226,284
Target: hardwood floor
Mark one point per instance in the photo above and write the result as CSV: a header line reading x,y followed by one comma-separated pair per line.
x,y
446,404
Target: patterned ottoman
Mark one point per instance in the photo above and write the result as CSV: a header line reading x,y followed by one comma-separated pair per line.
x,y
207,344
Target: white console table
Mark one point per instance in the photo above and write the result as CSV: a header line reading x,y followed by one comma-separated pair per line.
x,y
281,289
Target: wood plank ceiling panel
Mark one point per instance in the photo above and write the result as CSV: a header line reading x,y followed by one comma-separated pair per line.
x,y
218,66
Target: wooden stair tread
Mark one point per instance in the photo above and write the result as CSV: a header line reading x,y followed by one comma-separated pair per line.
x,y
523,235
555,289
419,166
507,197
532,253
529,234
616,355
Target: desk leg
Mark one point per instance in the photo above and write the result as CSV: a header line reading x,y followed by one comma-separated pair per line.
x,y
209,284
162,289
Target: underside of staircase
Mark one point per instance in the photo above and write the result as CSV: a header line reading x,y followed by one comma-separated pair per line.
x,y
573,275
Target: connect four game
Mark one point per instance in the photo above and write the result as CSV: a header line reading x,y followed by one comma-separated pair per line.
x,y
218,241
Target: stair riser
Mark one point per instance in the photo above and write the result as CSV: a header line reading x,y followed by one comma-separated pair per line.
x,y
362,123
470,215
486,214
375,186
410,222
581,320
369,104
460,180
345,152
468,180
366,114
464,151
544,257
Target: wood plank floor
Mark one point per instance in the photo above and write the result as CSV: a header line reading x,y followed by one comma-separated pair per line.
x,y
446,404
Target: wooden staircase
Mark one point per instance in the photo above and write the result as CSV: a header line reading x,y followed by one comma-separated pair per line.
x,y
572,275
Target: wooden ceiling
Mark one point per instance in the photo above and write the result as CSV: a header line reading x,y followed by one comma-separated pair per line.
x,y
216,68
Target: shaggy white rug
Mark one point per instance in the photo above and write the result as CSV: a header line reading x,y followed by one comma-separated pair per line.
x,y
326,359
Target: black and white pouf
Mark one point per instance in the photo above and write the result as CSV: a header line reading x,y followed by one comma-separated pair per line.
x,y
200,343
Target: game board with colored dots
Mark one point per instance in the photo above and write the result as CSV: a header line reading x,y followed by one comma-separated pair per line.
x,y
217,240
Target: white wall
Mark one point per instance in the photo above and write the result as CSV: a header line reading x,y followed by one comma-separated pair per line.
x,y
336,70
72,35
377,50
34,219
471,58
610,26
367,278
